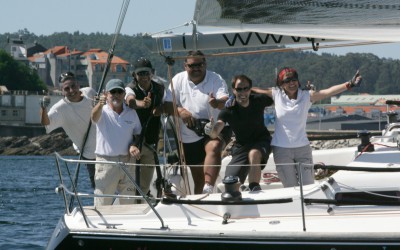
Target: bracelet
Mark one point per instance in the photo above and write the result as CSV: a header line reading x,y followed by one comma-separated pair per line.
x,y
348,86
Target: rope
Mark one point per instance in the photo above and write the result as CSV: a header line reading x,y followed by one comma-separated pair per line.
x,y
121,18
178,134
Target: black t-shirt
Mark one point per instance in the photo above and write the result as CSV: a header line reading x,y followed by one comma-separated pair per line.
x,y
248,122
154,124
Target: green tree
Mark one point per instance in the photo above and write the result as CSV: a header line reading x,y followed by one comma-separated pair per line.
x,y
18,76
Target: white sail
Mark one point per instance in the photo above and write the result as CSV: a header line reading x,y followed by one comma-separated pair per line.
x,y
258,23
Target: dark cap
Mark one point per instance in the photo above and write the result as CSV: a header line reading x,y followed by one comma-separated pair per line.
x,y
115,84
143,64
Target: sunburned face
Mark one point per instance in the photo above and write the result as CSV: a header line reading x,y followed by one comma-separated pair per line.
x,y
196,68
242,91
70,89
116,97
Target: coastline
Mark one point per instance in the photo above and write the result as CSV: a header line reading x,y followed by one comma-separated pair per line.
x,y
39,145
59,142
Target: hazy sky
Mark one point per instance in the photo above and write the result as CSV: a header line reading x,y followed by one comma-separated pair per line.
x,y
44,17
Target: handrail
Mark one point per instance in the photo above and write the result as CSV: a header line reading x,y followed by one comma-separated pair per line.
x,y
122,165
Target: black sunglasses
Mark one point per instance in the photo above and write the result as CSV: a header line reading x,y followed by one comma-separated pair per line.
x,y
242,89
66,76
143,73
116,91
287,80
195,65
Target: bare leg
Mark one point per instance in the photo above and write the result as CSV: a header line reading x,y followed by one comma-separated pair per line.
x,y
198,179
255,168
212,161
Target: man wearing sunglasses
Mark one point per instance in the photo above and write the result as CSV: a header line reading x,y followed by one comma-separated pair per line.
x,y
253,140
200,95
147,99
72,113
118,128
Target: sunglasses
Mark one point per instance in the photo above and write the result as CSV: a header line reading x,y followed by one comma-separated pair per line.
x,y
116,91
143,73
242,89
287,80
66,76
195,65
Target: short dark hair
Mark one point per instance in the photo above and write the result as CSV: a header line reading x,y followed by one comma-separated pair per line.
x,y
243,78
195,53
66,76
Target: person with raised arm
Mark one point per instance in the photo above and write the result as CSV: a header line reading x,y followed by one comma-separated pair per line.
x,y
290,143
147,99
200,95
246,118
72,113
118,127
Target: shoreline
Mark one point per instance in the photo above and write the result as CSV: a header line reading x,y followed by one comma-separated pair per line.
x,y
59,142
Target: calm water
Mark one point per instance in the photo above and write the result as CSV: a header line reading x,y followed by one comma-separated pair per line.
x,y
29,207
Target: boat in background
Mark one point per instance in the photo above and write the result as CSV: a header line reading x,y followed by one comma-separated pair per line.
x,y
354,204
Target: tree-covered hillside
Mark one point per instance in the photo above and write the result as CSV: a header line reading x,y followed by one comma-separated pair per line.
x,y
381,76
18,76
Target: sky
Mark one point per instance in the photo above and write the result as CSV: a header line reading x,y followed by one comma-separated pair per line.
x,y
45,17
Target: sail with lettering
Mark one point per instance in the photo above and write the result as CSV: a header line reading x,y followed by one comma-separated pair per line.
x,y
257,23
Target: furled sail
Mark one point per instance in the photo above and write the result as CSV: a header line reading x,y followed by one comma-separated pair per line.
x,y
367,20
257,23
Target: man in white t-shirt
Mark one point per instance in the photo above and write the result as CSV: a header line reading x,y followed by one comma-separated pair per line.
x,y
200,95
72,113
118,126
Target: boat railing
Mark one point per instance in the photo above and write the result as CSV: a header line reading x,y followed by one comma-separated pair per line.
x,y
71,194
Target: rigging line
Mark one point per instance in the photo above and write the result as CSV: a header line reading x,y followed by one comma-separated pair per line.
x,y
178,134
121,18
286,49
176,27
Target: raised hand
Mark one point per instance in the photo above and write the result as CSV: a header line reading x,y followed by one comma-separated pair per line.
x,y
209,127
99,99
147,101
212,101
45,102
230,102
356,80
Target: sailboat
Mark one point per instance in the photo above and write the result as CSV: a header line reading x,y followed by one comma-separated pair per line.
x,y
356,206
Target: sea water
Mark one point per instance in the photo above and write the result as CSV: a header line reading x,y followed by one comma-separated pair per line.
x,y
29,206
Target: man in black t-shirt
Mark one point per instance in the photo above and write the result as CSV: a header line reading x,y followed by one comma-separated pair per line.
x,y
147,101
245,115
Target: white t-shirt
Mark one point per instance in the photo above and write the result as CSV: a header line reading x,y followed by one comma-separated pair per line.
x,y
74,118
291,119
194,98
115,131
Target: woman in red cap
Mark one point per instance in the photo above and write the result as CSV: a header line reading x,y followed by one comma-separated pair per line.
x,y
290,143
